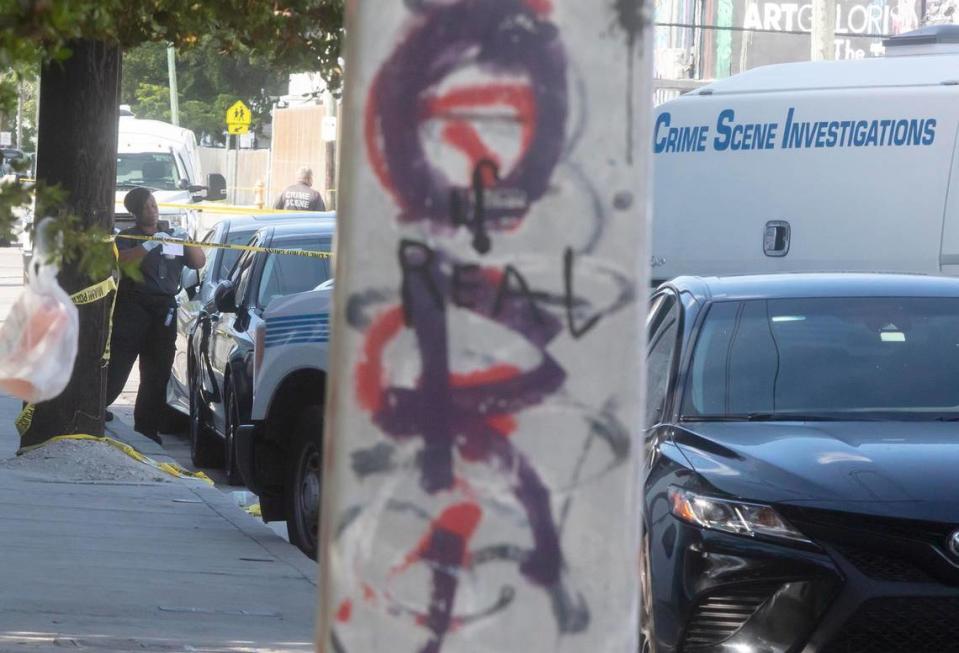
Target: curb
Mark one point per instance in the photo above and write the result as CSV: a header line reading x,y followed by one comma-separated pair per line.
x,y
121,431
221,503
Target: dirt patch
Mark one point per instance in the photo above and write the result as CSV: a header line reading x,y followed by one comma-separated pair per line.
x,y
84,460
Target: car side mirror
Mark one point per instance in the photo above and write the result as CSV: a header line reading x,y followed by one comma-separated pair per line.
x,y
215,187
224,297
189,280
183,184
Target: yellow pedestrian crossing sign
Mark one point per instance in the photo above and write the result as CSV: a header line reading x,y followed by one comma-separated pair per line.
x,y
238,118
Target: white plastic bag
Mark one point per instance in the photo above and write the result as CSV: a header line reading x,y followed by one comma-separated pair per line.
x,y
38,340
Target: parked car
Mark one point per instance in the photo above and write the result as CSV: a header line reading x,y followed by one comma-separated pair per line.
x,y
802,451
280,447
221,360
198,286
15,162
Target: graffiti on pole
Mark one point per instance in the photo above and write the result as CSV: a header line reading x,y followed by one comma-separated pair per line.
x,y
454,510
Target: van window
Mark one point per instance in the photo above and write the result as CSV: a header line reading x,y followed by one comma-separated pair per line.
x,y
156,170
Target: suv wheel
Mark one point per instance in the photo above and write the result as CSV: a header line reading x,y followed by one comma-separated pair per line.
x,y
205,451
304,478
233,476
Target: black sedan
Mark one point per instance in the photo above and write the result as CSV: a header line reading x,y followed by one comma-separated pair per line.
x,y
803,465
223,342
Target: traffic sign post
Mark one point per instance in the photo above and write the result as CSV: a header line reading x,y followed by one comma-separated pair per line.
x,y
238,118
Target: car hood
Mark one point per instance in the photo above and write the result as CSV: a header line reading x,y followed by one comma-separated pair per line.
x,y
896,469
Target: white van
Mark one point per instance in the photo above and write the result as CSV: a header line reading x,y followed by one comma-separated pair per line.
x,y
839,165
164,158
159,156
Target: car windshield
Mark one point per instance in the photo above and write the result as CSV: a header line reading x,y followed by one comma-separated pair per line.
x,y
155,170
860,358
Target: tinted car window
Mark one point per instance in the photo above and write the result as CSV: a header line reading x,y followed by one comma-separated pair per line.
x,y
240,274
285,274
210,235
663,322
230,256
827,356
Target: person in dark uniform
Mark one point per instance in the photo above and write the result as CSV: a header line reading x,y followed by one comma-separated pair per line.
x,y
144,319
301,196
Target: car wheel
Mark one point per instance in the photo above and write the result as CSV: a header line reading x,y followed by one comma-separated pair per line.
x,y
205,450
233,476
304,477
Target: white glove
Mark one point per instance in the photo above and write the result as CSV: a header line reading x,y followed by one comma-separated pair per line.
x,y
180,234
149,245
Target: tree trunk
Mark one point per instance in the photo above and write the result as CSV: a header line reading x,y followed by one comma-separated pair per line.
x,y
76,149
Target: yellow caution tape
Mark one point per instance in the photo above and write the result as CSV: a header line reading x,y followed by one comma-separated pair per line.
x,y
242,248
94,293
169,468
24,419
226,209
254,510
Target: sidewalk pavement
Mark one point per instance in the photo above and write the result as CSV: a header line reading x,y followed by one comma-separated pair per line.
x,y
108,566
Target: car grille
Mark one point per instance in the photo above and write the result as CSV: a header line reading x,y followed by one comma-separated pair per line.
x,y
884,549
718,616
900,625
880,566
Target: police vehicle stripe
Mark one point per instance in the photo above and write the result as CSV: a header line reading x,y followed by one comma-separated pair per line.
x,y
320,317
282,333
295,327
296,341
290,336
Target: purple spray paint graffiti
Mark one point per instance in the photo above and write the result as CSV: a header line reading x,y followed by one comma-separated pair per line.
x,y
501,39
469,418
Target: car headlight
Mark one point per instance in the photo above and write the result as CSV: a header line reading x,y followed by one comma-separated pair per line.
x,y
737,517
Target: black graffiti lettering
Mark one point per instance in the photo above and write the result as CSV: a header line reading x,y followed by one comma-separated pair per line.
x,y
514,284
485,171
417,258
570,299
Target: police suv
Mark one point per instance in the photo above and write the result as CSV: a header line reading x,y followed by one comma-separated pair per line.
x,y
279,450
829,165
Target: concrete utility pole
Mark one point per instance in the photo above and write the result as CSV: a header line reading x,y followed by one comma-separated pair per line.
x,y
483,439
174,93
823,30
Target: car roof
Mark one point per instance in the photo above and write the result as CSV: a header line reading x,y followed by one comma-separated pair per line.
x,y
805,285
252,223
286,230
